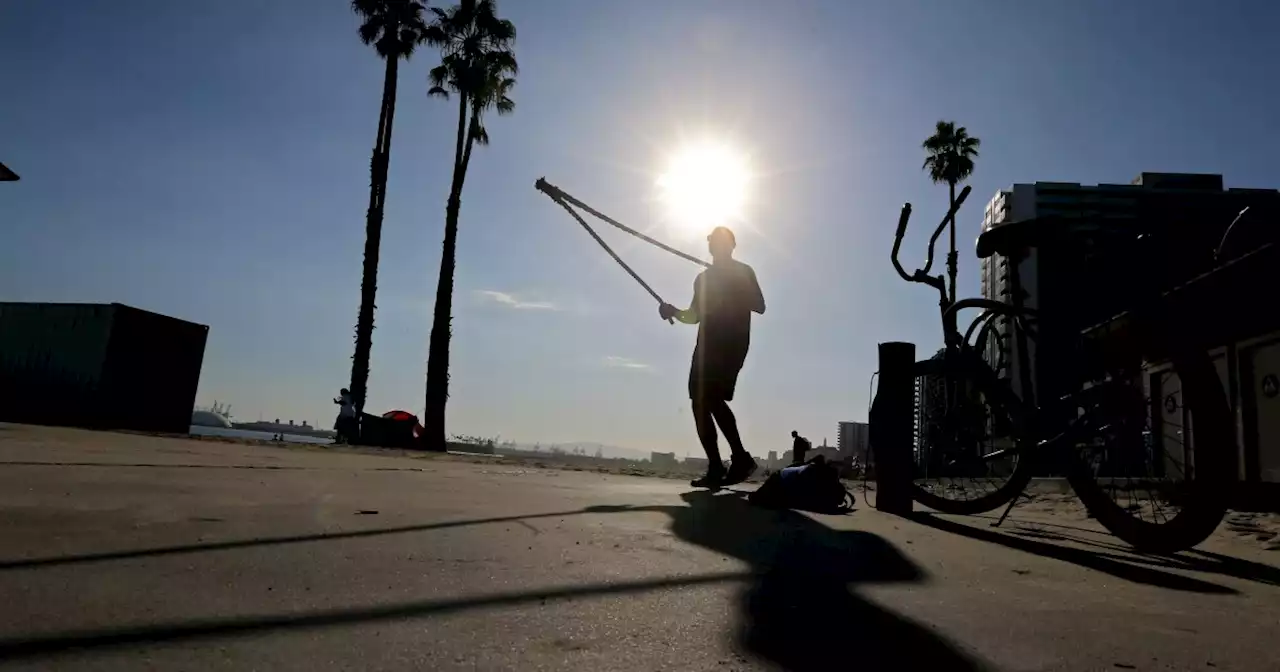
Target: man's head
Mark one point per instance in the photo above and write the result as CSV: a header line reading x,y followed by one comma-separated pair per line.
x,y
343,391
721,243
794,433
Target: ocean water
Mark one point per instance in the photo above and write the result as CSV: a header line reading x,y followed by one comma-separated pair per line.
x,y
251,434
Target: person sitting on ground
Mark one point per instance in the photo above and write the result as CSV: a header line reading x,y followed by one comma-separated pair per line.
x,y
799,446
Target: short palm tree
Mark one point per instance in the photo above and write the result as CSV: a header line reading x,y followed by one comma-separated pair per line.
x,y
951,151
394,28
478,68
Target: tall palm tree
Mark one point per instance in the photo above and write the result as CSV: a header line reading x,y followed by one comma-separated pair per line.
x,y
478,67
951,151
394,28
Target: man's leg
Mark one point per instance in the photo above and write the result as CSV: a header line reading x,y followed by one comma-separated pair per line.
x,y
743,465
706,426
703,420
719,409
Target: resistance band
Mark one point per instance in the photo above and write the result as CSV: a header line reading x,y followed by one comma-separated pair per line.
x,y
565,200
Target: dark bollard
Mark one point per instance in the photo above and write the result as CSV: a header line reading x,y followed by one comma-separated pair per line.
x,y
892,427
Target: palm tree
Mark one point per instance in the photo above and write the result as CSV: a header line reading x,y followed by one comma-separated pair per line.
x,y
478,67
951,154
394,28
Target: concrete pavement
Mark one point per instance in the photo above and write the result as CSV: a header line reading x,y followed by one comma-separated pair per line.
x,y
124,552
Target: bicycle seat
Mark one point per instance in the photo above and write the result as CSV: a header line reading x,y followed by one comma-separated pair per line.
x,y
1010,238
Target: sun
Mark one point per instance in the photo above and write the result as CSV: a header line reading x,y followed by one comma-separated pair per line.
x,y
704,185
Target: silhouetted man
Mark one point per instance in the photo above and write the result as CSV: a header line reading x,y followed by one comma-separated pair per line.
x,y
724,296
799,446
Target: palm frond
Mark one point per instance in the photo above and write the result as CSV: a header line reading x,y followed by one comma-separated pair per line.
x,y
394,27
951,151
440,76
476,59
369,32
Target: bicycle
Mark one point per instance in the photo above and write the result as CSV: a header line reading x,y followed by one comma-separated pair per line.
x,y
975,428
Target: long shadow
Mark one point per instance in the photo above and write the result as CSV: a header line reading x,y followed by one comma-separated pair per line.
x,y
800,612
153,465
1118,566
35,647
1193,560
28,563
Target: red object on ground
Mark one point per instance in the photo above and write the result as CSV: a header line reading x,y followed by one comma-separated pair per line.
x,y
406,416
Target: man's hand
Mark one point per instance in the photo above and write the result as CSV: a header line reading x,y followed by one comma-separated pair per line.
x,y
667,312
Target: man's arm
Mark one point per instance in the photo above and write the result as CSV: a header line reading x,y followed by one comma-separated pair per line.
x,y
693,314
690,315
757,297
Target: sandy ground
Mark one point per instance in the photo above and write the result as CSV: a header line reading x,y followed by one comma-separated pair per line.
x,y
122,552
1260,530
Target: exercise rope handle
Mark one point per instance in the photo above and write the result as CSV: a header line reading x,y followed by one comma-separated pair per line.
x,y
559,196
563,200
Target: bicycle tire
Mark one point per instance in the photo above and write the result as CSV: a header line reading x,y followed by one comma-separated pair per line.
x,y
1206,499
974,370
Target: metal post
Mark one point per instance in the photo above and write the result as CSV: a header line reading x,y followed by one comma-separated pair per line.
x,y
892,425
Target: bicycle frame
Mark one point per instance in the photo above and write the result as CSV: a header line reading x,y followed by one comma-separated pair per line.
x,y
957,344
949,308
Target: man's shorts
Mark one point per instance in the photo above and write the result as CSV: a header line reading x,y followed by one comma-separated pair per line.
x,y
713,376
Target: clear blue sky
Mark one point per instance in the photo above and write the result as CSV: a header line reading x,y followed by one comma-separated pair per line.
x,y
209,160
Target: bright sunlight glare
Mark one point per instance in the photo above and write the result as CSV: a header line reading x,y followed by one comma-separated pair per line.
x,y
704,185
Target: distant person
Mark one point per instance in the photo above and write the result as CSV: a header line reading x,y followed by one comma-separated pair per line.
x,y
799,446
346,425
724,296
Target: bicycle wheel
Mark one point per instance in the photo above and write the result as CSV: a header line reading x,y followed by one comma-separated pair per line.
x,y
973,449
1158,463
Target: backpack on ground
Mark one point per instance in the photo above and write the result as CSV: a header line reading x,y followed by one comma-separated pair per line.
x,y
813,486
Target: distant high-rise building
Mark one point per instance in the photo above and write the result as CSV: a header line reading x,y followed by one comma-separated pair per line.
x,y
667,460
1073,283
696,462
853,440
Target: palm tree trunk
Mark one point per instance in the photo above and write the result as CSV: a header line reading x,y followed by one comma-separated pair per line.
x,y
466,153
373,238
433,415
951,256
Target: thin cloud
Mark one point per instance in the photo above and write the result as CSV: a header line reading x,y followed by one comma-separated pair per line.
x,y
615,362
509,300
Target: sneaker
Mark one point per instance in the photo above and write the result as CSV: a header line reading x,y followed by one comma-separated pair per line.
x,y
714,478
740,470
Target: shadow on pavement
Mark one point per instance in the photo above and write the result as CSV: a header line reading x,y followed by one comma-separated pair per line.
x,y
1137,569
798,610
1193,560
28,563
196,629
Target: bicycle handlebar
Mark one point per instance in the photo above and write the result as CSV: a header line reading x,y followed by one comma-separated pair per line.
x,y
902,220
951,213
897,240
922,275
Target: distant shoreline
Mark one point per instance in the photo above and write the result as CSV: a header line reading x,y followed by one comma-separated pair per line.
x,y
278,428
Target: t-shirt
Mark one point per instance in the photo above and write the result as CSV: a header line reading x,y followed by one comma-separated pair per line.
x,y
724,296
